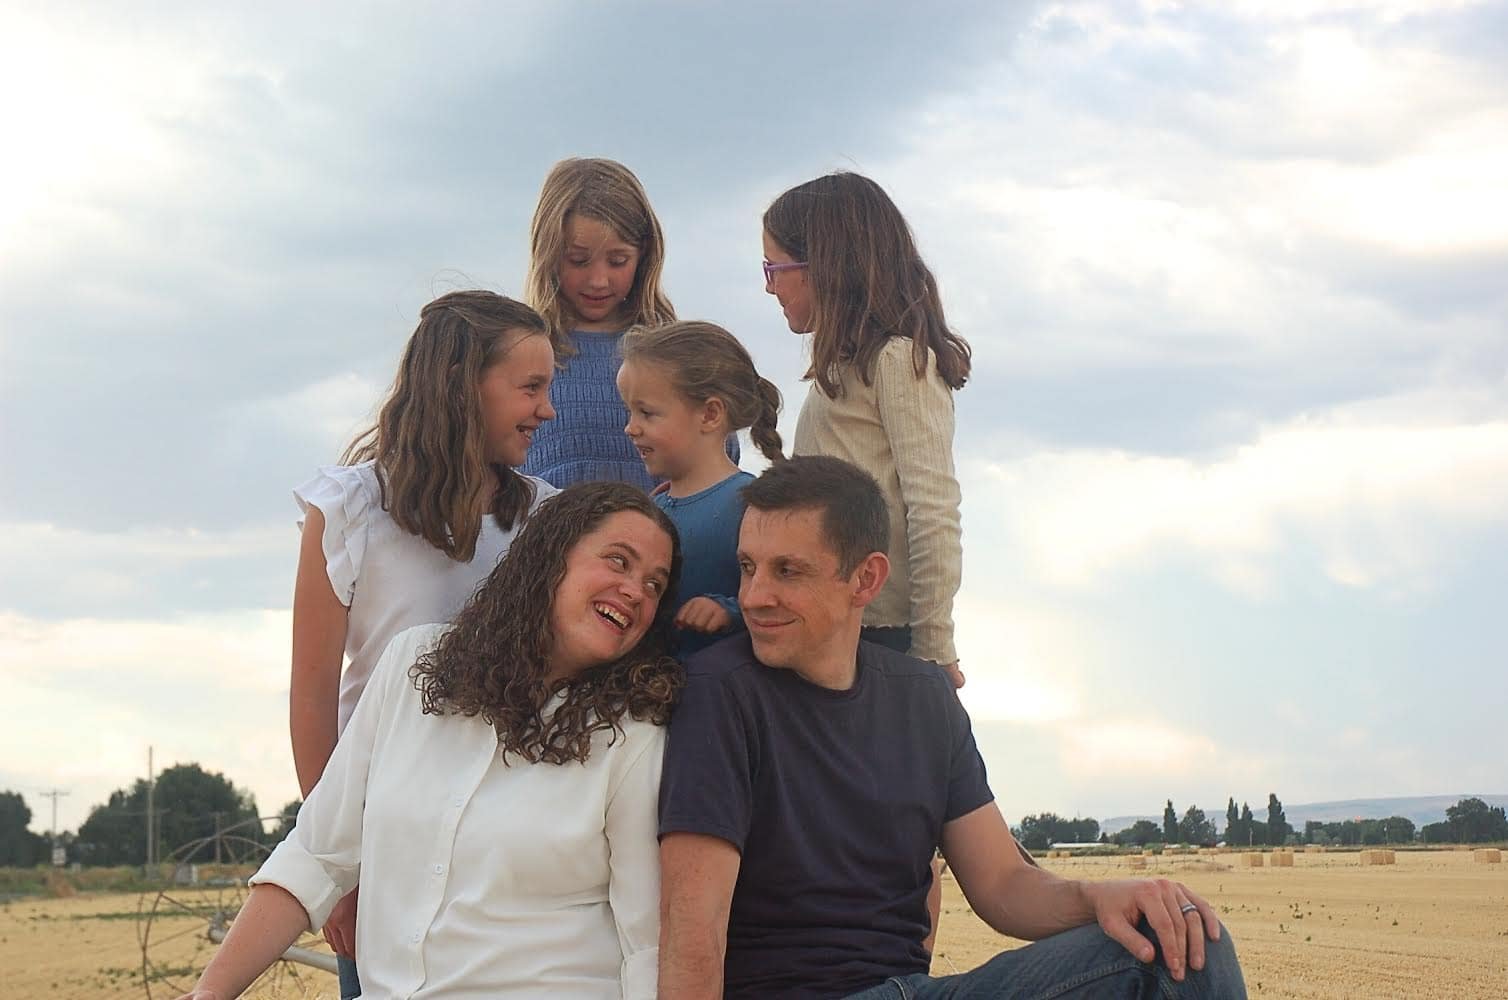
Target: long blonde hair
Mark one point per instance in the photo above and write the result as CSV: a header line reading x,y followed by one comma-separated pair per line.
x,y
607,191
702,360
429,441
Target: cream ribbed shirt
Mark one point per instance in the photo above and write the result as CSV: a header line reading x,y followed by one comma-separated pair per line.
x,y
900,430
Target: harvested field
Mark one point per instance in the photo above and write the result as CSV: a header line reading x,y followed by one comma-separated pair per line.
x,y
1433,924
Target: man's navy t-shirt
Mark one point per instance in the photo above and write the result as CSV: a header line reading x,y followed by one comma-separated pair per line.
x,y
836,801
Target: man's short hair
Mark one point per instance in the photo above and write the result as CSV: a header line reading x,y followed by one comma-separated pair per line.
x,y
855,518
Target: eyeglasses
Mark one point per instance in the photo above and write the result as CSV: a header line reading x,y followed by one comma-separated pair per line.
x,y
770,270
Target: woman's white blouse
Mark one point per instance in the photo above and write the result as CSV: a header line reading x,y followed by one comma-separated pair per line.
x,y
480,876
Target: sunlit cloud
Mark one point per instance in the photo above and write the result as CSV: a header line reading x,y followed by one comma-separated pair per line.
x,y
1386,505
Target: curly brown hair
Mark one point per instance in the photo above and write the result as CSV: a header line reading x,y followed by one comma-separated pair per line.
x,y
495,660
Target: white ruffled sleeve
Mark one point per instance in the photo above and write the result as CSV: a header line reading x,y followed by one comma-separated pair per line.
x,y
346,496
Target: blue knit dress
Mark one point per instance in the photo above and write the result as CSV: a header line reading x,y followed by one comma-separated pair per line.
x,y
585,442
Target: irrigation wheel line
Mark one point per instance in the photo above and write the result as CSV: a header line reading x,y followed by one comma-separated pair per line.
x,y
180,926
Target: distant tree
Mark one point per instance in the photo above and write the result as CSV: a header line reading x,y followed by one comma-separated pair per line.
x,y
1474,821
1194,828
187,799
1084,830
286,817
1314,832
1169,824
1438,833
1277,823
1244,833
1045,829
1104,838
1232,818
18,845
1140,834
1035,833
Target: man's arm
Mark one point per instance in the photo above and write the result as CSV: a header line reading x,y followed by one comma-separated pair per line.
x,y
697,874
1027,902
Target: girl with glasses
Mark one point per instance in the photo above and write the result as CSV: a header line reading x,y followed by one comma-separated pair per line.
x,y
841,261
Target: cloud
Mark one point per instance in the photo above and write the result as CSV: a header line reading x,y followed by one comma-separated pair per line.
x,y
1384,503
143,573
87,697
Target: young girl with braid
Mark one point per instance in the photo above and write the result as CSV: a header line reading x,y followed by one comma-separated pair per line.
x,y
688,386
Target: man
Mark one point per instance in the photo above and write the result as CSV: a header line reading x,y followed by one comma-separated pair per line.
x,y
809,779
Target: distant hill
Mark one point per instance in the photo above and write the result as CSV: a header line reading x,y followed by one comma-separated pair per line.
x,y
1421,809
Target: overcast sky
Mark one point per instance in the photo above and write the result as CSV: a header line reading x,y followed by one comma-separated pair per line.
x,y
1234,457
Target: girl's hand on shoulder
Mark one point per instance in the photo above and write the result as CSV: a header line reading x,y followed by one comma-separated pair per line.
x,y
954,674
703,614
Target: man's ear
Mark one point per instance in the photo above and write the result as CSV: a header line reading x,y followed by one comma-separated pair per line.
x,y
869,577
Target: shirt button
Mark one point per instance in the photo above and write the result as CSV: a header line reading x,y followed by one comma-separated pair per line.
x,y
415,938
439,869
460,800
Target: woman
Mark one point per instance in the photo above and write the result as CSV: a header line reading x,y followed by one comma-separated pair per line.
x,y
496,786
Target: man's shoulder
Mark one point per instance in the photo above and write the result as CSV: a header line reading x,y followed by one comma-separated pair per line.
x,y
902,668
729,659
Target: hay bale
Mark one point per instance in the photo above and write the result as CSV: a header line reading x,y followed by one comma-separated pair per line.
x,y
1487,856
1377,857
1253,859
1314,849
1137,861
1282,859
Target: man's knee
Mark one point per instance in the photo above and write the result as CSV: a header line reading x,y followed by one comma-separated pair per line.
x,y
1221,967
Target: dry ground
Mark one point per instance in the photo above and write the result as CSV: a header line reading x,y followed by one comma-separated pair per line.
x,y
1433,925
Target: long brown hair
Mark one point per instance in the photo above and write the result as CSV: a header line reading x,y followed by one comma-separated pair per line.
x,y
867,279
609,192
429,441
494,662
702,360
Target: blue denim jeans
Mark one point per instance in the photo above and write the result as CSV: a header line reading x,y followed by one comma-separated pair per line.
x,y
1081,964
350,985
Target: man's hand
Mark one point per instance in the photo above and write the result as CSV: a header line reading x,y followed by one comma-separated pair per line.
x,y
703,614
1120,905
340,929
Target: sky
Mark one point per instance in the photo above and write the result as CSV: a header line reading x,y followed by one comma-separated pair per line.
x,y
1234,456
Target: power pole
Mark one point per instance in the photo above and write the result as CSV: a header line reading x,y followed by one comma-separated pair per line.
x,y
150,783
54,794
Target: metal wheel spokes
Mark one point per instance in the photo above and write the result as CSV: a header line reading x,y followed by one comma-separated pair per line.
x,y
179,927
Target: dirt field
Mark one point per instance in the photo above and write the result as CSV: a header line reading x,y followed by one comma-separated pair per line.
x,y
1433,925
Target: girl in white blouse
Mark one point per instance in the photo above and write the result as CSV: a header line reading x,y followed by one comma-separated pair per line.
x,y
421,510
496,787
